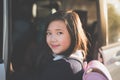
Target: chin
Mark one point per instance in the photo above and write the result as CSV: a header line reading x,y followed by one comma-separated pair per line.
x,y
56,52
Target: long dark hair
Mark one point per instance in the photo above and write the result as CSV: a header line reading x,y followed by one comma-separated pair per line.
x,y
74,26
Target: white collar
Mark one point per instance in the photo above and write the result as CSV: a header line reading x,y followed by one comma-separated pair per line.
x,y
57,57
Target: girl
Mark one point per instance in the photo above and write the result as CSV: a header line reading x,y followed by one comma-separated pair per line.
x,y
67,43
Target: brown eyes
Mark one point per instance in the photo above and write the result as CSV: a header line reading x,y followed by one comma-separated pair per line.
x,y
48,33
57,33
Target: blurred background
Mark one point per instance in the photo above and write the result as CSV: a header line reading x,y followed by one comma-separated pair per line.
x,y
25,19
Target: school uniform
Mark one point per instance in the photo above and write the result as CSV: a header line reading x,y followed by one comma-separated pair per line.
x,y
62,68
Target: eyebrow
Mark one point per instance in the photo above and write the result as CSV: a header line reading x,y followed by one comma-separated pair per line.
x,y
57,29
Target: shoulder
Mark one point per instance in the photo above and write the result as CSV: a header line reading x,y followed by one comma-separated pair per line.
x,y
59,64
58,70
63,69
67,63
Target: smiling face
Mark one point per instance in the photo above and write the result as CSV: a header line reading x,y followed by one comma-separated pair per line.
x,y
58,38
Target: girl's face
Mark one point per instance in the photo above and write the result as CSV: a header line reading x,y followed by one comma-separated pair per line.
x,y
58,38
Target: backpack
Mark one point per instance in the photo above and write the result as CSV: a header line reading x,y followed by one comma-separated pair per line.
x,y
95,70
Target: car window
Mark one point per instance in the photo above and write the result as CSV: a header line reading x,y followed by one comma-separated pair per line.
x,y
113,21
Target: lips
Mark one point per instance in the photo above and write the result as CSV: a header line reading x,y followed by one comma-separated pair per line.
x,y
54,46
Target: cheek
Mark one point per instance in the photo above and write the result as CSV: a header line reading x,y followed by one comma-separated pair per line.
x,y
66,42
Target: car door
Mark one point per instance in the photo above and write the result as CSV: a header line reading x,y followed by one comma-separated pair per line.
x,y
2,67
111,51
111,56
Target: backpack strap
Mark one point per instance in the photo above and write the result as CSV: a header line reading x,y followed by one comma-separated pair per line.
x,y
75,64
95,70
71,58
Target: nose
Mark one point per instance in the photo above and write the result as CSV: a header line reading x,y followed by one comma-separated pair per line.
x,y
53,38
